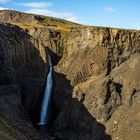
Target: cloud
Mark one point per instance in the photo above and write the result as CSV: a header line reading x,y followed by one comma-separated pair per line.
x,y
137,26
35,4
73,19
4,1
109,9
67,16
41,8
48,12
4,8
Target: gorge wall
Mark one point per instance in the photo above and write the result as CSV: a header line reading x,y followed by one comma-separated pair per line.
x,y
22,75
96,93
103,70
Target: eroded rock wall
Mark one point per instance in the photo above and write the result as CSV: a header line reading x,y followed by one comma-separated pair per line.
x,y
102,71
49,38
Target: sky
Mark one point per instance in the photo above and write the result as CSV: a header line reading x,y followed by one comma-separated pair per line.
x,y
110,13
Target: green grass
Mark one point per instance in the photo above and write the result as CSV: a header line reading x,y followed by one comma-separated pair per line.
x,y
4,129
59,22
6,135
64,51
27,26
7,131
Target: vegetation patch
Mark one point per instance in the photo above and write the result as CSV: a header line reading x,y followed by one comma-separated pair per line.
x,y
7,131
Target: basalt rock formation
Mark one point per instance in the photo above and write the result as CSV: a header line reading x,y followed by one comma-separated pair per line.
x,y
22,75
96,91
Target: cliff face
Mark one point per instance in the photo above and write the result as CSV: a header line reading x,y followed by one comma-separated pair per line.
x,y
48,38
103,70
22,75
98,50
96,92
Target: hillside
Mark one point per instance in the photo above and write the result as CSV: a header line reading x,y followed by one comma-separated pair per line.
x,y
30,20
96,79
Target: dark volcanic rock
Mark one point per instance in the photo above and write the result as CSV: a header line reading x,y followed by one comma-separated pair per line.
x,y
22,75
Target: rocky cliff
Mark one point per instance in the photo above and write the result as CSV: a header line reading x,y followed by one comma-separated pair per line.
x,y
51,32
22,76
96,93
103,70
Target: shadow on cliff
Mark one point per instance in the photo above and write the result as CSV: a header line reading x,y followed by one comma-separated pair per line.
x,y
71,119
55,58
22,78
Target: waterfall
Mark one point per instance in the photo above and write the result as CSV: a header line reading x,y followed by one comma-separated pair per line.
x,y
47,96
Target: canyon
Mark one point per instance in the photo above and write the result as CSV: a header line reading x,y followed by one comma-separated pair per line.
x,y
96,79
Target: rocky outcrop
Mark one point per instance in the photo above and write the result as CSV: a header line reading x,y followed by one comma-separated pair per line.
x,y
49,38
7,16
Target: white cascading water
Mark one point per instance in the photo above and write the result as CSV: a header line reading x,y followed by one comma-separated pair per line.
x,y
47,96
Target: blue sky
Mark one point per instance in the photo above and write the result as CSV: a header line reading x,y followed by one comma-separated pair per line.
x,y
113,13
